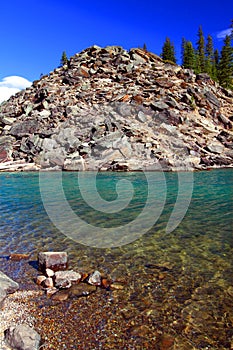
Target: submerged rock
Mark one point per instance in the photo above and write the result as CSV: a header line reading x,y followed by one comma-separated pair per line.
x,y
52,260
82,289
64,279
95,278
18,257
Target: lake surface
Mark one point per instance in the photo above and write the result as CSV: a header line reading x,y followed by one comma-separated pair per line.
x,y
178,283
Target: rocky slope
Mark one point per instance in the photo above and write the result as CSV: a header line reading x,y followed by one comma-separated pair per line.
x,y
112,109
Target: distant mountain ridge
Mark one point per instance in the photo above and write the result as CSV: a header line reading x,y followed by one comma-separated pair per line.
x,y
113,109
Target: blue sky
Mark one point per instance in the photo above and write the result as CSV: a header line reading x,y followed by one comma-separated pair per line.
x,y
35,33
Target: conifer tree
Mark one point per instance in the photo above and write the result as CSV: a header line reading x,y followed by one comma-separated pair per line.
x,y
200,52
144,47
216,58
188,54
168,51
64,59
225,68
210,66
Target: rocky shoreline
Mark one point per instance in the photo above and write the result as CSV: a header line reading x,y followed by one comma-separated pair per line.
x,y
19,308
110,109
155,305
16,322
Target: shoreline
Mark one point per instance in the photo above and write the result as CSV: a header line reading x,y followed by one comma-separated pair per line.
x,y
15,311
17,167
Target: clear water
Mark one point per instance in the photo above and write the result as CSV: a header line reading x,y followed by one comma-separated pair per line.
x,y
178,283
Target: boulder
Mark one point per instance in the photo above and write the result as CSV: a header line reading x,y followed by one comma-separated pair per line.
x,y
22,337
6,148
24,128
53,260
7,284
64,279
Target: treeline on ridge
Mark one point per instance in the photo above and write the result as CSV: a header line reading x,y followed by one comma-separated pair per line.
x,y
201,59
204,58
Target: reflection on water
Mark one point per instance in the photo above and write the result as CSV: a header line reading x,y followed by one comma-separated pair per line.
x,y
177,285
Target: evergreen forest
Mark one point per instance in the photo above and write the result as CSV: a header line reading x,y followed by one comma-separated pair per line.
x,y
204,58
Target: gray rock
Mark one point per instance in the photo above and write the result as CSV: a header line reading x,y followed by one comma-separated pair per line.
x,y
107,141
159,105
2,296
64,279
202,111
44,114
142,117
24,128
7,120
7,284
54,158
226,122
74,164
212,99
95,278
215,147
22,337
72,111
49,144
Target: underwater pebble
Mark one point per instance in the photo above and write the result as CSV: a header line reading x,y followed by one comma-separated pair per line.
x,y
82,289
18,257
49,272
60,296
48,282
40,279
95,278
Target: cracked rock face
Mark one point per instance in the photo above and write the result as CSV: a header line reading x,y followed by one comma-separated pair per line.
x,y
112,109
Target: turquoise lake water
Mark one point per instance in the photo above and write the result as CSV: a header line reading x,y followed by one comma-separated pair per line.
x,y
186,274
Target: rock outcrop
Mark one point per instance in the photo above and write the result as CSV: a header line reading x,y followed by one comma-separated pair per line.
x,y
112,109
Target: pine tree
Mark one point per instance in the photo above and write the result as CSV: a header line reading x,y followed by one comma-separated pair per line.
x,y
144,47
201,52
210,66
64,59
216,57
168,51
188,54
225,68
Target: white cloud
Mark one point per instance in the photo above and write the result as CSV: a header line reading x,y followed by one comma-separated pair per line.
x,y
224,33
12,84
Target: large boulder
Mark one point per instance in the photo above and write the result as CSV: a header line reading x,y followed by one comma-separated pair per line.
x,y
22,337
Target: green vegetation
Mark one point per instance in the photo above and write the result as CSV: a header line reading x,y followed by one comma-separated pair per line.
x,y
225,71
168,51
204,58
64,59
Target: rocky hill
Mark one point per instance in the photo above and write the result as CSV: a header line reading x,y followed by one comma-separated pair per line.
x,y
112,109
